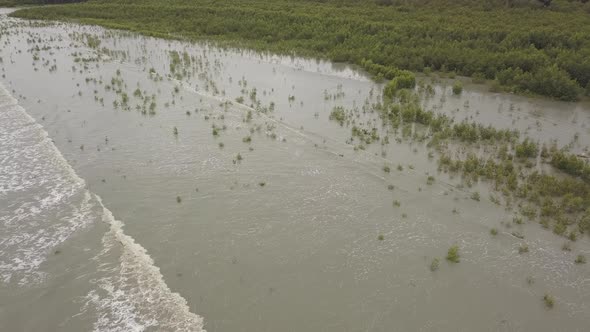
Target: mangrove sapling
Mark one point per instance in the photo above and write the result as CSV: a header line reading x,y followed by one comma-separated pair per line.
x,y
380,237
457,88
581,259
559,228
549,301
523,248
386,169
453,254
434,265
430,180
494,231
178,199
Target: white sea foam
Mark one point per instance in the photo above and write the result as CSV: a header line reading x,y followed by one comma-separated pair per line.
x,y
44,202
134,295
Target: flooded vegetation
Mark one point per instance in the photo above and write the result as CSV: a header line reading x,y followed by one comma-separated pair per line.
x,y
174,185
537,47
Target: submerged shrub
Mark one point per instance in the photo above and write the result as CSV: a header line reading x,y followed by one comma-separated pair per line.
x,y
434,265
404,80
453,254
457,88
430,180
527,149
338,114
549,301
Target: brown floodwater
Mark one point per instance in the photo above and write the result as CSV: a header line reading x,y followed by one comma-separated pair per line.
x,y
206,213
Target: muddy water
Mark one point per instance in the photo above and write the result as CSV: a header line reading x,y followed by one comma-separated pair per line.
x,y
115,220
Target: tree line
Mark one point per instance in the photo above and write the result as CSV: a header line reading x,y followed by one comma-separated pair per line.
x,y
526,48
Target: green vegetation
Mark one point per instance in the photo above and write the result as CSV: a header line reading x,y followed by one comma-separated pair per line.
x,y
524,46
581,259
549,301
430,180
457,88
453,254
434,265
380,237
400,80
14,3
338,114
494,231
526,149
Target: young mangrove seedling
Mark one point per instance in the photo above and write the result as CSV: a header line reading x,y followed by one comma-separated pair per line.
x,y
453,254
430,180
434,265
549,301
